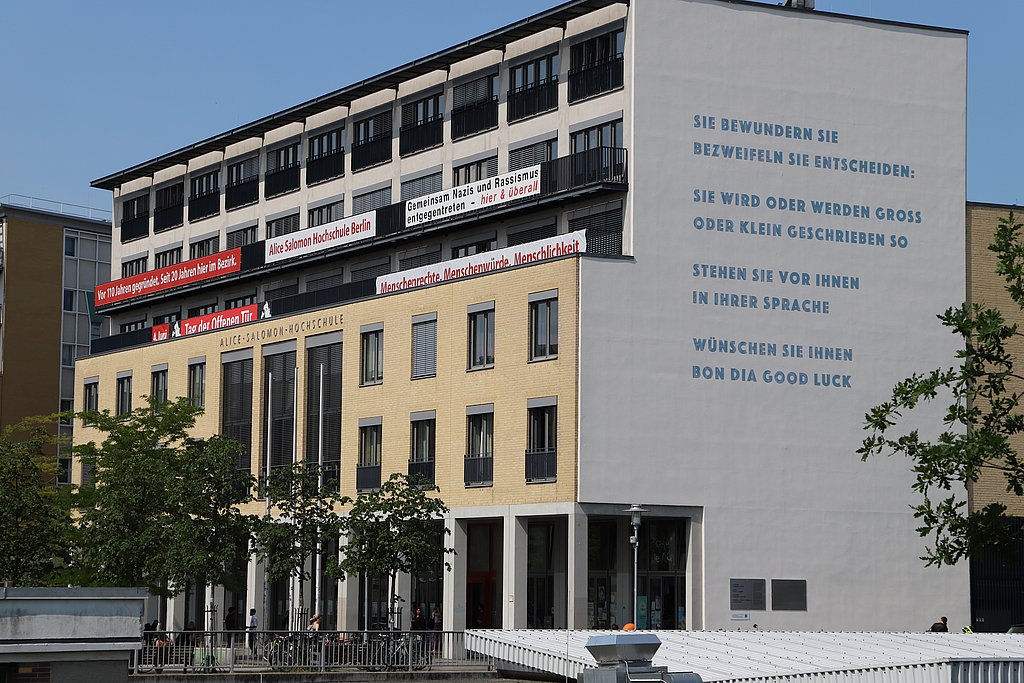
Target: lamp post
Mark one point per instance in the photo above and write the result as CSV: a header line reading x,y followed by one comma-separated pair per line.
x,y
635,511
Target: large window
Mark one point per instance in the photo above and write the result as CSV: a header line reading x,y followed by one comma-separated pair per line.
x,y
205,184
541,435
206,247
372,356
479,467
168,257
481,336
421,455
197,384
476,246
544,326
244,171
283,226
531,155
422,124
236,406
132,325
91,397
424,346
327,213
137,207
205,309
371,144
368,201
475,106
368,467
534,87
158,389
135,266
323,409
596,65
279,411
124,396
605,135
417,187
283,157
241,237
474,171
326,156
326,143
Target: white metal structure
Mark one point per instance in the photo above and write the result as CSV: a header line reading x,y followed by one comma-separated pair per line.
x,y
862,657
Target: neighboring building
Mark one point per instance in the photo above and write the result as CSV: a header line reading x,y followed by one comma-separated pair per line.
x,y
666,252
997,578
52,256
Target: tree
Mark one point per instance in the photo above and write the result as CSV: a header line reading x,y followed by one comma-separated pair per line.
x,y
162,507
306,516
981,421
33,525
395,529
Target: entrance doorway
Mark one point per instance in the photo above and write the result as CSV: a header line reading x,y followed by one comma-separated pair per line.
x,y
483,574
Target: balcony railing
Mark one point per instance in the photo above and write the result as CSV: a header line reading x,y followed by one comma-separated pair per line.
x,y
422,135
479,469
532,99
325,167
424,470
594,79
134,228
373,151
367,477
281,181
242,193
204,205
541,465
598,165
474,118
168,217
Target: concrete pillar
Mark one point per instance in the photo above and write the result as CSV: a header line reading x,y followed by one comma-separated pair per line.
x,y
576,568
560,569
453,613
515,543
695,573
403,588
254,590
176,612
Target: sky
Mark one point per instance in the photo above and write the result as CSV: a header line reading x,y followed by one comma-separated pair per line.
x,y
90,88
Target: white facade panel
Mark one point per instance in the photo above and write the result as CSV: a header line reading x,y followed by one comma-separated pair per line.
x,y
738,226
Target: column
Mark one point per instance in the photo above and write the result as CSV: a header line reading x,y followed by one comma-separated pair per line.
x,y
576,546
515,542
453,613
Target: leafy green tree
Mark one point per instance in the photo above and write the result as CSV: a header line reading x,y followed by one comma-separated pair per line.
x,y
162,507
981,421
395,529
34,526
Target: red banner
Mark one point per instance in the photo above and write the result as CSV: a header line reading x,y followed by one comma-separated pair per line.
x,y
205,323
184,273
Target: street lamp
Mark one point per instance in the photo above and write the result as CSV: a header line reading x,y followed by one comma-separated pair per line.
x,y
635,511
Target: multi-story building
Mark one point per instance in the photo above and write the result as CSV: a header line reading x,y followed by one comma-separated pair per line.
x,y
52,256
665,253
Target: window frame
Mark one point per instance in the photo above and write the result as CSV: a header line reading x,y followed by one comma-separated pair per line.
x,y
480,321
370,447
549,306
371,357
416,454
123,402
197,384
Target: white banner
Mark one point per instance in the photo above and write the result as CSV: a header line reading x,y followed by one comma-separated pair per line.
x,y
454,201
490,261
322,237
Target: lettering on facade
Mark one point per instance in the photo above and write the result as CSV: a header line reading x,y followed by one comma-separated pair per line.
x,y
283,331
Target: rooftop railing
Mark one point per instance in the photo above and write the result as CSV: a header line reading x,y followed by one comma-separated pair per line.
x,y
63,208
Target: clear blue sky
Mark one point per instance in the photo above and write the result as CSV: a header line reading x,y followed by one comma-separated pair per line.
x,y
91,88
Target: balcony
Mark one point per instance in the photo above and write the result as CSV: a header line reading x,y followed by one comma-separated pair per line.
x,y
281,181
541,465
167,217
373,151
532,99
367,477
134,228
594,79
325,167
474,118
242,193
331,475
423,470
420,136
479,469
204,205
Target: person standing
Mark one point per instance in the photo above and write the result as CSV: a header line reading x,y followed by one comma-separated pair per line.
x,y
231,624
251,627
939,626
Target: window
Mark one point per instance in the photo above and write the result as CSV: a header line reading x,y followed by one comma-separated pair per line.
x,y
326,156
158,391
137,207
67,355
326,143
279,291
424,346
369,445
69,300
242,237
91,396
171,196
283,226
372,356
166,258
541,435
205,247
124,395
428,184
239,301
66,406
283,157
243,187
533,87
422,440
474,171
475,106
371,270
318,282
236,406
605,135
282,170
70,246
479,467
477,247
167,318
597,50
534,72
531,155
538,232
279,413
323,409
373,128
205,309
603,224
481,336
134,267
244,171
596,65
372,142
424,256
422,124
368,201
327,213
542,428
423,110
133,325
483,89
197,384
205,184
544,328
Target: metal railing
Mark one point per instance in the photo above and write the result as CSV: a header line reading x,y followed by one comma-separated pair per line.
x,y
373,151
325,167
541,465
474,118
204,205
532,99
281,180
423,469
367,477
596,78
242,193
422,135
166,217
135,227
76,210
479,469
258,651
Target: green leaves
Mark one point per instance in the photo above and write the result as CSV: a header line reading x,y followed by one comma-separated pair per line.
x,y
979,424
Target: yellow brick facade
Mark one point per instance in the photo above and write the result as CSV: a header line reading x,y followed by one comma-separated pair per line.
x,y
987,288
508,385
